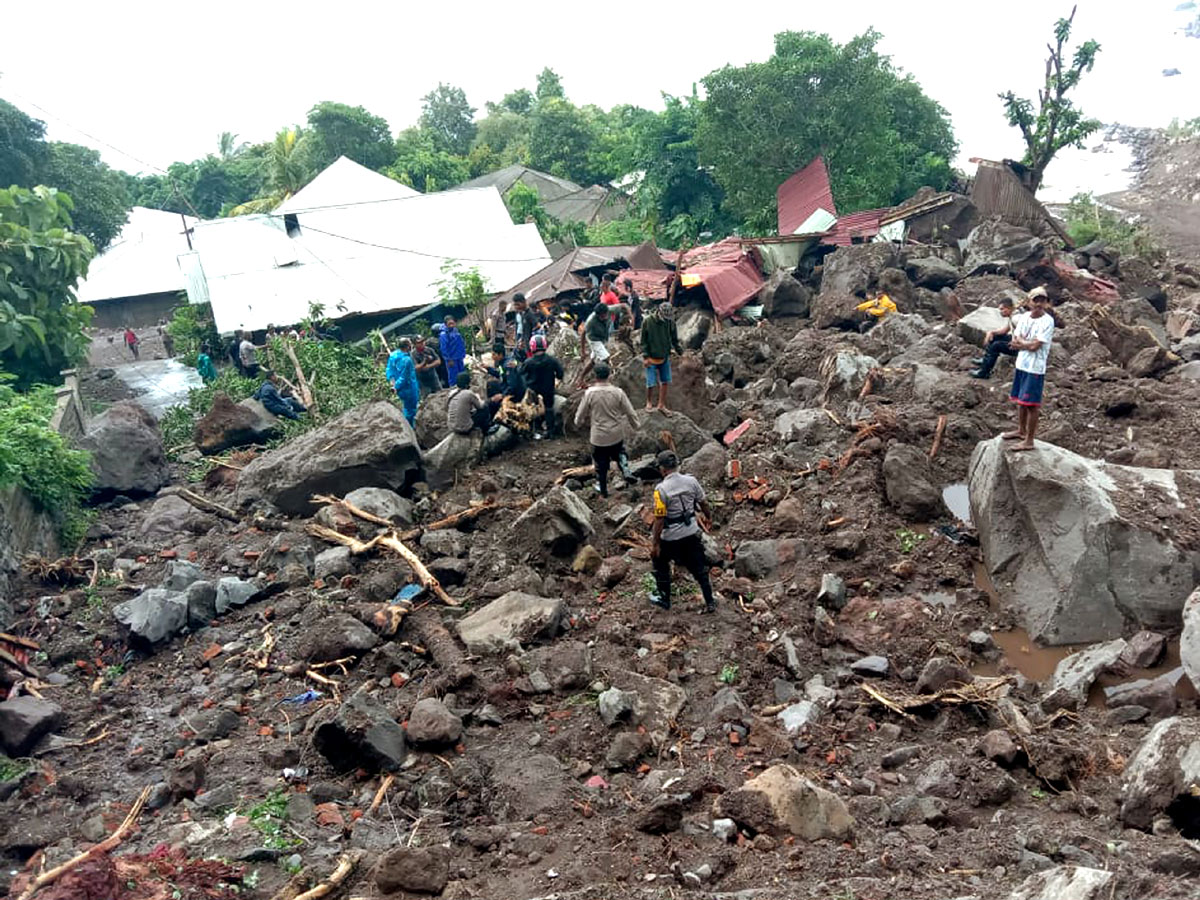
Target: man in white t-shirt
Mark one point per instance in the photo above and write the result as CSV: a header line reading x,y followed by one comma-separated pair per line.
x,y
1032,335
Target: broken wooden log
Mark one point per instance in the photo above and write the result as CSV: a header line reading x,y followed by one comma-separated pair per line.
x,y
937,436
426,626
392,542
205,505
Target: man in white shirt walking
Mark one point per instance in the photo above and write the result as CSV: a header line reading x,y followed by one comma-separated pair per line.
x,y
1032,335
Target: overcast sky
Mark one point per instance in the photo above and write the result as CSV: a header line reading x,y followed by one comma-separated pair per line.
x,y
159,81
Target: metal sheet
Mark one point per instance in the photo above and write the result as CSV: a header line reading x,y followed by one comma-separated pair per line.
x,y
802,195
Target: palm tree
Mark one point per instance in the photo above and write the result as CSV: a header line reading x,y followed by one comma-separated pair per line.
x,y
228,147
287,169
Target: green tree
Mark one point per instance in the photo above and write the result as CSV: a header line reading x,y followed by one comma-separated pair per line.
x,y
519,101
560,140
228,147
285,169
421,165
760,122
22,148
549,85
99,198
1057,122
335,129
525,205
449,118
502,139
41,260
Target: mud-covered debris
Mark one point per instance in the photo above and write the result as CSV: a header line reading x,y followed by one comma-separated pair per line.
x,y
782,801
514,619
431,724
418,870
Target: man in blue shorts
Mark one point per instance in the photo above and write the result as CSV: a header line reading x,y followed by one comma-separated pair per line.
x,y
659,338
1032,335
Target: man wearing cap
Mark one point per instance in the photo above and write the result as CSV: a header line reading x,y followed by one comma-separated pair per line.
x,y
1032,336
676,533
541,371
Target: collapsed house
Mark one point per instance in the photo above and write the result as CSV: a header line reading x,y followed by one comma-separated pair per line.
x,y
359,245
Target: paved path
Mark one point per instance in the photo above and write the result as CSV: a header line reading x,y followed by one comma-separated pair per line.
x,y
159,383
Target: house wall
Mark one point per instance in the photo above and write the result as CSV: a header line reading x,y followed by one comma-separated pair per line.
x,y
137,312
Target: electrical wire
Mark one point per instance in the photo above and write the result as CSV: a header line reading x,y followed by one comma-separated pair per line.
x,y
307,227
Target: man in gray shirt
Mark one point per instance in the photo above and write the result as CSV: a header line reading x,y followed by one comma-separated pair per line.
x,y
676,533
608,408
462,406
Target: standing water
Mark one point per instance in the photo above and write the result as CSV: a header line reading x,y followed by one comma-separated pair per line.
x,y
958,501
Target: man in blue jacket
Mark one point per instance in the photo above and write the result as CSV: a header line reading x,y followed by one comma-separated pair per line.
x,y
454,350
401,374
274,402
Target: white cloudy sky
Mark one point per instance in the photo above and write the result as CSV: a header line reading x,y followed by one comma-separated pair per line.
x,y
161,80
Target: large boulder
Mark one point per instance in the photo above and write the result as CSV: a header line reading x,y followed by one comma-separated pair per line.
x,y
974,326
908,482
932,272
782,801
783,295
154,615
432,426
228,424
1065,883
807,426
1076,544
452,454
1189,642
847,274
24,721
656,703
1165,767
170,516
648,438
843,371
693,325
371,445
688,392
126,450
512,619
559,521
383,503
362,735
996,246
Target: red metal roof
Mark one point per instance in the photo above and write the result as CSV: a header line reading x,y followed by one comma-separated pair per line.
x,y
803,194
651,284
731,273
862,225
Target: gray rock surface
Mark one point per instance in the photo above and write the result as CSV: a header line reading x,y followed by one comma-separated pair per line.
x,y
512,619
1065,883
371,445
171,516
932,272
646,438
975,325
361,735
783,295
386,504
1074,676
25,720
233,592
1070,543
559,521
1189,641
154,615
1166,765
181,574
450,457
332,563
996,246
127,454
335,636
782,801
431,724
908,482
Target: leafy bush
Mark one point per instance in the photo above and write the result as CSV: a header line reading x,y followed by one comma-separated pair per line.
x,y
1088,221
191,327
35,457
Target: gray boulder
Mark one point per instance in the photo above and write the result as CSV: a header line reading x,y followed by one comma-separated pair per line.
x,y
758,559
1189,641
1065,883
974,326
201,603
513,619
233,592
996,246
431,724
432,426
932,272
451,455
806,426
1165,767
783,295
154,615
1075,675
171,516
693,325
688,436
559,521
24,721
856,268
657,703
707,464
334,637
1072,543
333,563
843,371
127,455
371,445
908,483
383,503
181,574
362,735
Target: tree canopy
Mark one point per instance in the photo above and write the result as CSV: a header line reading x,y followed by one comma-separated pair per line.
x,y
449,119
335,129
878,131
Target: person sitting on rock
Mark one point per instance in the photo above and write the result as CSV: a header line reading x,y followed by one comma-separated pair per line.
x,y
678,502
607,408
875,307
274,402
401,374
464,408
996,343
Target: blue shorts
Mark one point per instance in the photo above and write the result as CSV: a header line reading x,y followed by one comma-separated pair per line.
x,y
658,374
1027,388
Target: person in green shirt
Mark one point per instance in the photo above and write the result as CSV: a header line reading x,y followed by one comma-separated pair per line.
x,y
659,338
204,365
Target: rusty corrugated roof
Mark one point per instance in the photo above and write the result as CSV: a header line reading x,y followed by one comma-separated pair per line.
x,y
730,272
859,226
803,194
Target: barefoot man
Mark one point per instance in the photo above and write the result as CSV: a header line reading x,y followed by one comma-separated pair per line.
x,y
1031,338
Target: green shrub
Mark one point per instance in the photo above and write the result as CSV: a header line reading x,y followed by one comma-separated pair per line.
x,y
35,457
191,327
1088,221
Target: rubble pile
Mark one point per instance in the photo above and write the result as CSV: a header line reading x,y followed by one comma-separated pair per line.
x,y
406,673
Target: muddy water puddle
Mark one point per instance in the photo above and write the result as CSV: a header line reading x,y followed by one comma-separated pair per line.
x,y
1037,663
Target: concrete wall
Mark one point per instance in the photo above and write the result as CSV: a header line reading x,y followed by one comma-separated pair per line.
x,y
136,312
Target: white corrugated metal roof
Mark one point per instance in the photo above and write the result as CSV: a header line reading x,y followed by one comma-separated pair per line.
x,y
361,257
140,260
345,182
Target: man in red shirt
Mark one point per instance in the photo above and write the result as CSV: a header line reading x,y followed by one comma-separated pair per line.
x,y
131,341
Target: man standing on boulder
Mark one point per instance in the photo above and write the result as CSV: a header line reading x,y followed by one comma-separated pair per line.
x,y
541,371
427,362
659,338
676,532
1032,336
593,341
608,408
401,374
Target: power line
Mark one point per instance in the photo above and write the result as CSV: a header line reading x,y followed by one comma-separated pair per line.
x,y
456,258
